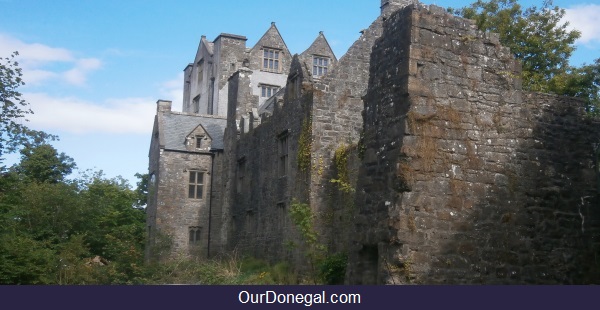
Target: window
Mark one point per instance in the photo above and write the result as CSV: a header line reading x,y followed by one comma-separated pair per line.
x,y
195,233
200,76
293,87
196,103
320,65
199,143
268,90
196,185
281,215
283,155
241,174
271,60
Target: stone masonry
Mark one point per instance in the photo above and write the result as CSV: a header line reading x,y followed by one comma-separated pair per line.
x,y
465,178
418,153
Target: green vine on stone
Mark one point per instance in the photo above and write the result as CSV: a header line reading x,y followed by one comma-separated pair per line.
x,y
302,216
341,165
305,145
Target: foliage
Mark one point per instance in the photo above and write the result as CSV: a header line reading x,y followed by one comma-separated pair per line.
x,y
58,231
333,269
14,108
583,82
42,163
13,133
226,270
535,35
141,190
341,165
305,145
302,217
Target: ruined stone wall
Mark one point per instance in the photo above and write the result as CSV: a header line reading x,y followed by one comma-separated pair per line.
x,y
216,244
336,124
261,194
465,179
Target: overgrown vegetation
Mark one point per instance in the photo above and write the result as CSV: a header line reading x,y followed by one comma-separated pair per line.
x,y
324,268
305,145
341,166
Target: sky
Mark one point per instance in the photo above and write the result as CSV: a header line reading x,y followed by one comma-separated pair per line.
x,y
95,69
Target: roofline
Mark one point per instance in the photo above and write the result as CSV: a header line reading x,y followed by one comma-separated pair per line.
x,y
199,115
279,33
321,34
229,35
211,152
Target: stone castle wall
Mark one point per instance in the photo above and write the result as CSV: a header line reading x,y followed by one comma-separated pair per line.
x,y
465,178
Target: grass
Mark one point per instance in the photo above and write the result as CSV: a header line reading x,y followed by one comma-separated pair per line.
x,y
230,270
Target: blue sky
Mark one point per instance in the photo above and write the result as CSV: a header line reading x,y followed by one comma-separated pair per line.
x,y
94,69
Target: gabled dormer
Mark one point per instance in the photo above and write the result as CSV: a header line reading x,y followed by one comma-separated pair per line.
x,y
198,140
270,54
319,57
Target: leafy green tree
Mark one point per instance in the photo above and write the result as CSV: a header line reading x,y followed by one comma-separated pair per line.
x,y
582,82
536,36
141,190
116,230
52,230
42,163
14,109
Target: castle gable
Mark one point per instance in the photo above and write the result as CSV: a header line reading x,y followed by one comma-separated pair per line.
x,y
205,48
319,56
270,53
272,38
321,47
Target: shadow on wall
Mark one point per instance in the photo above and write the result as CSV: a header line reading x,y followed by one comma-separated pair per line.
x,y
539,221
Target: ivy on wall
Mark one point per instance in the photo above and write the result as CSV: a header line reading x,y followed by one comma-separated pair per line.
x,y
305,145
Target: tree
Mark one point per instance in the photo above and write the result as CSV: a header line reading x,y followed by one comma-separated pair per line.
x,y
43,163
141,190
582,82
14,109
535,35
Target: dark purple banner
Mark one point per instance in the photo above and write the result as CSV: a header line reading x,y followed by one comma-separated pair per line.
x,y
299,297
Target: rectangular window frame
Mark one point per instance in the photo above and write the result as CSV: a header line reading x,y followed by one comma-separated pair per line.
x,y
195,189
196,104
267,91
320,65
271,58
194,235
200,73
283,152
199,141
241,175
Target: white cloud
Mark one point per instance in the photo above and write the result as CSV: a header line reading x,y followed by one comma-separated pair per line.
x,y
34,57
73,115
173,90
585,19
78,75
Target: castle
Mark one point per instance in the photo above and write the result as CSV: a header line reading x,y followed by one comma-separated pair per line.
x,y
417,152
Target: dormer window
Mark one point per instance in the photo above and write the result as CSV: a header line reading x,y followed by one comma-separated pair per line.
x,y
199,142
320,65
271,59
